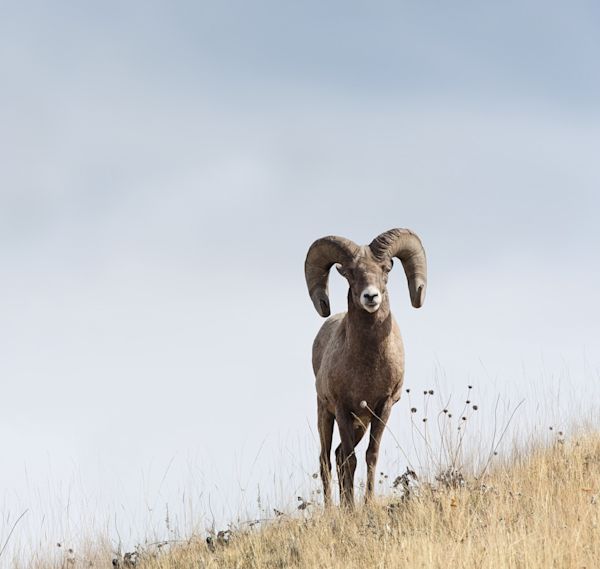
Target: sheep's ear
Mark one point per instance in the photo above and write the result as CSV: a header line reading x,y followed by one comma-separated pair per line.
x,y
340,269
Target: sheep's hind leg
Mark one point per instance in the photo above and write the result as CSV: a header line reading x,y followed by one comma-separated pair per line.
x,y
351,434
325,421
378,424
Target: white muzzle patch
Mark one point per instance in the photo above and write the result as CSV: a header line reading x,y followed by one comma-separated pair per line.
x,y
370,298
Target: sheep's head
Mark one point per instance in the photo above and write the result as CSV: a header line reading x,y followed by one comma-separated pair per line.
x,y
367,278
366,268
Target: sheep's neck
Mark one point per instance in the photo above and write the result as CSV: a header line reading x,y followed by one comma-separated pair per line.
x,y
364,328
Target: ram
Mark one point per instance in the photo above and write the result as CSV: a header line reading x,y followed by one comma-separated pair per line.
x,y
358,356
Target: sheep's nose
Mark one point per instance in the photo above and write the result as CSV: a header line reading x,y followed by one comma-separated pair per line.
x,y
371,297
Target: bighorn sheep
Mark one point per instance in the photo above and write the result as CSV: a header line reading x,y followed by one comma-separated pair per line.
x,y
358,356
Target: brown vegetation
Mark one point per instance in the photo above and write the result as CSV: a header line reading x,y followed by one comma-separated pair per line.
x,y
540,509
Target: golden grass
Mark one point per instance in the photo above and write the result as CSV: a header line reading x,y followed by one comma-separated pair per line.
x,y
538,510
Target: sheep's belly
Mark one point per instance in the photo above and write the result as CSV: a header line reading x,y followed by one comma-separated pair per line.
x,y
362,419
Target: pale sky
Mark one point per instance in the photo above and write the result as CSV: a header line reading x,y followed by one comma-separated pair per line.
x,y
164,169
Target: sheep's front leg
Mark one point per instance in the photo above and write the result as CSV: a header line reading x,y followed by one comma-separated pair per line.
x,y
350,435
325,421
378,423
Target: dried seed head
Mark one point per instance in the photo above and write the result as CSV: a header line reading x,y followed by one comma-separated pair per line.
x,y
445,410
468,401
407,390
431,392
425,392
464,418
475,407
470,386
363,404
413,409
424,419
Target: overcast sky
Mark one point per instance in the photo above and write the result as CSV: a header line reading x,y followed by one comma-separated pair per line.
x,y
165,167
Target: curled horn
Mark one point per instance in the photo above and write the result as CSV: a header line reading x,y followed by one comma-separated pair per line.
x,y
324,253
406,246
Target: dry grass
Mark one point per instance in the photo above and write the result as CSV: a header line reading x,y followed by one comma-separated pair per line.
x,y
539,509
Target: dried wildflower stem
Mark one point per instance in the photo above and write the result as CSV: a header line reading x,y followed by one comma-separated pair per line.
x,y
12,531
495,447
386,426
445,445
414,428
456,459
428,446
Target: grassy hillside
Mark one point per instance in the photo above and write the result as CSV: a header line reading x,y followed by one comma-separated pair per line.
x,y
538,510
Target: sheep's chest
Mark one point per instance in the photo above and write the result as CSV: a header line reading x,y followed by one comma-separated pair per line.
x,y
360,369
370,378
